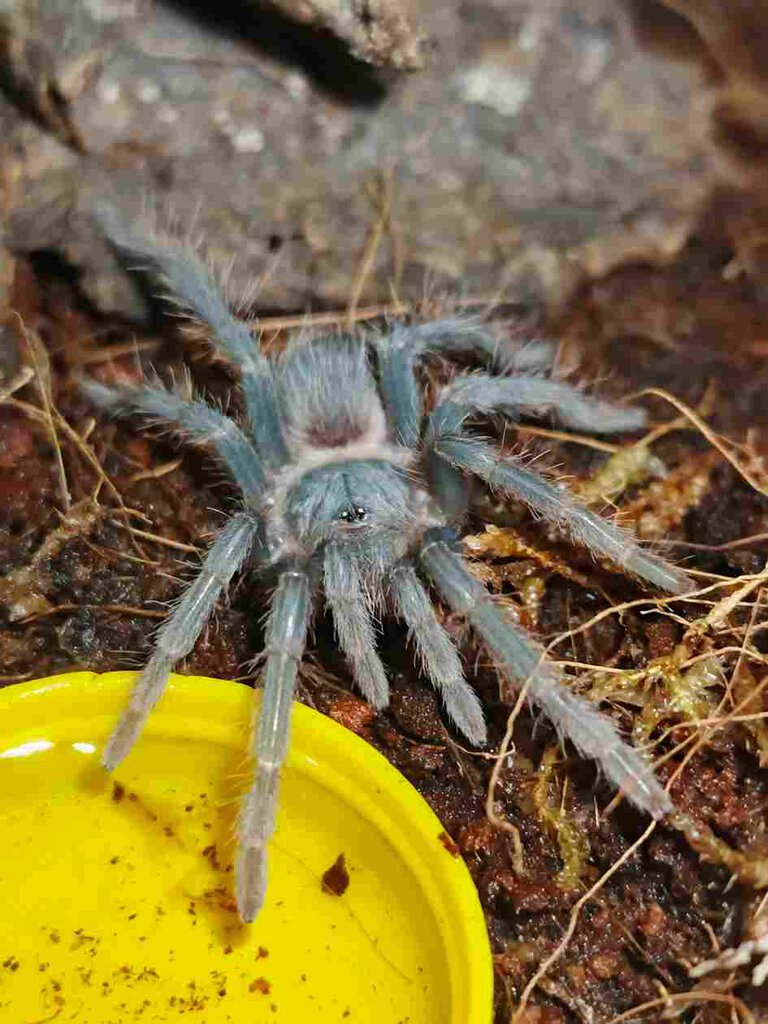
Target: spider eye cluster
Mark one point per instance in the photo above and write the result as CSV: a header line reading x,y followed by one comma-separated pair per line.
x,y
357,514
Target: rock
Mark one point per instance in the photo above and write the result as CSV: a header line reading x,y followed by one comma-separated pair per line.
x,y
539,143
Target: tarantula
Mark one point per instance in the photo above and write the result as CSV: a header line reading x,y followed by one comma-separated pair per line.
x,y
350,487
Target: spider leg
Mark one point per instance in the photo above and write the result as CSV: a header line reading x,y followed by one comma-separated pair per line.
x,y
404,409
399,350
523,660
448,485
438,654
286,636
193,289
554,503
396,360
345,593
178,633
194,419
536,396
466,336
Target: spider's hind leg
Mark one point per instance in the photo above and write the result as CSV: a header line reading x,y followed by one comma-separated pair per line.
x,y
464,336
537,396
193,289
403,345
523,660
178,633
195,420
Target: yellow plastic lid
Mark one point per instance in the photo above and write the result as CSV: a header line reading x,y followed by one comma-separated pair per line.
x,y
116,889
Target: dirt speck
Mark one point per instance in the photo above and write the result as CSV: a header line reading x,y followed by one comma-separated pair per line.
x,y
449,844
335,880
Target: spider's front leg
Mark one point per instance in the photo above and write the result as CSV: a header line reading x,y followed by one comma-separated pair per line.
x,y
178,633
286,637
593,734
192,288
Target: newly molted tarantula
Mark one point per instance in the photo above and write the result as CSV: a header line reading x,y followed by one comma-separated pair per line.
x,y
348,486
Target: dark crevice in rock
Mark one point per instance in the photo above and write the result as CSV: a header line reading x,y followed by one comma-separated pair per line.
x,y
319,53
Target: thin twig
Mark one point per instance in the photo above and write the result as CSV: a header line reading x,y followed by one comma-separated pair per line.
x,y
156,538
560,435
701,996
371,248
498,764
42,368
742,542
709,434
22,378
112,609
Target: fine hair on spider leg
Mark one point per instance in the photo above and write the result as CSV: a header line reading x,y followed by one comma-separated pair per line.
x,y
351,493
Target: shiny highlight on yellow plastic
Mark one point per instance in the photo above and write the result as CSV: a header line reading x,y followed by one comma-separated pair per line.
x,y
117,889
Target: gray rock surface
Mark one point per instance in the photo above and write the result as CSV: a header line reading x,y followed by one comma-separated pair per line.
x,y
540,142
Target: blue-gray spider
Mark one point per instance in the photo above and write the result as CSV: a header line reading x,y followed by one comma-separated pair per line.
x,y
350,487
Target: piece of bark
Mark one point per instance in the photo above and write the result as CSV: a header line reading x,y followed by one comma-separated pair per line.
x,y
378,32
